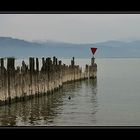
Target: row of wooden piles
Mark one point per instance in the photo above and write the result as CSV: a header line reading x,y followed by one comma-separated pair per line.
x,y
28,81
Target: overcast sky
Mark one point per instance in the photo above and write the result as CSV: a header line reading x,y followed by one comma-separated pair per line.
x,y
76,28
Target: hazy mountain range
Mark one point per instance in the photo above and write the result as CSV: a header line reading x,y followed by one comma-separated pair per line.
x,y
21,49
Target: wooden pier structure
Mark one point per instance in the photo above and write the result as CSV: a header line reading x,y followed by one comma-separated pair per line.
x,y
28,81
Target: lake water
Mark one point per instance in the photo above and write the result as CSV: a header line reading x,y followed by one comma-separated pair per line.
x,y
113,99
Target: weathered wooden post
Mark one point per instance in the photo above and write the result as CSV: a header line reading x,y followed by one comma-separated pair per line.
x,y
37,77
23,80
86,72
47,74
37,65
43,64
31,71
2,82
51,74
60,72
72,69
11,78
72,62
18,82
2,63
55,73
54,60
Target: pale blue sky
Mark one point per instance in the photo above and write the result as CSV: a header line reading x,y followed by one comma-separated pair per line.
x,y
76,28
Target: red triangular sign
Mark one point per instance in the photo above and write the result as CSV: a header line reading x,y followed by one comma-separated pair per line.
x,y
93,50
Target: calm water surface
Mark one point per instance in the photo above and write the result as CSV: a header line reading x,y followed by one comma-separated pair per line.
x,y
112,99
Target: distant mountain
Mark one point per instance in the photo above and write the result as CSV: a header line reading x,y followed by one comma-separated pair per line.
x,y
21,48
8,41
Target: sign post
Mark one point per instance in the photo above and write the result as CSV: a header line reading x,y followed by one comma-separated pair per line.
x,y
93,58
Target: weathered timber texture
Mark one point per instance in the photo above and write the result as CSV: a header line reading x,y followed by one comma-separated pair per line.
x,y
26,82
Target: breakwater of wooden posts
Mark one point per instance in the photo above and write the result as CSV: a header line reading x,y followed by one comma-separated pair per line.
x,y
28,81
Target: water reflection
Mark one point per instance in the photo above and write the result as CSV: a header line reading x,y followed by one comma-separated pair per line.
x,y
56,108
91,86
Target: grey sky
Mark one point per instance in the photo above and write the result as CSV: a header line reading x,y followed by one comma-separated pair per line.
x,y
76,28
